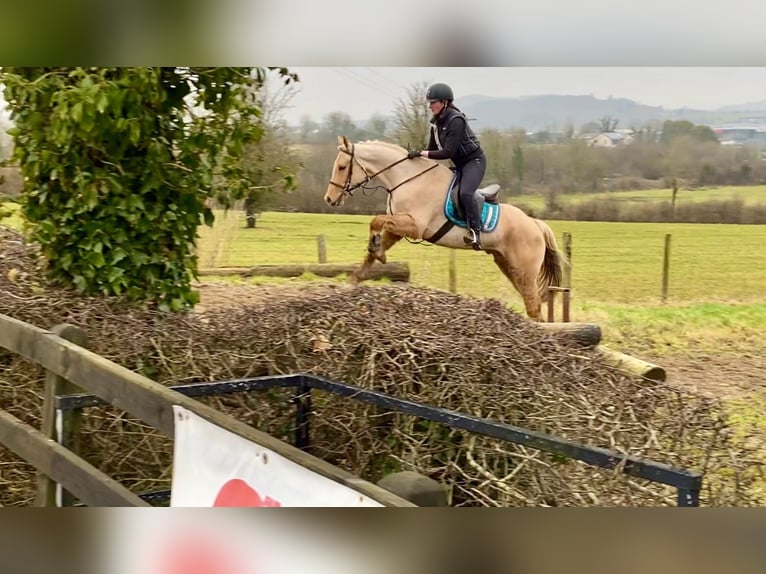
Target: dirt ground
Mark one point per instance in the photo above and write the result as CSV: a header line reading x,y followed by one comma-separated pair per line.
x,y
721,375
216,295
727,373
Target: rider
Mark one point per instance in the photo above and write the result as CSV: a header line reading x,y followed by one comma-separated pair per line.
x,y
452,138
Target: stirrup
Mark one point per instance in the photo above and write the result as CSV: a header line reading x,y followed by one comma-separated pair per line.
x,y
474,240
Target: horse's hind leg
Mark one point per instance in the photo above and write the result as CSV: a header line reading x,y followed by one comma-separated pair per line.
x,y
525,284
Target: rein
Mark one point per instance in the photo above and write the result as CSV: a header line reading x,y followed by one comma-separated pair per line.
x,y
348,189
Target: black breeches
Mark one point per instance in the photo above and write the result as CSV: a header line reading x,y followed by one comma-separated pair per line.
x,y
471,175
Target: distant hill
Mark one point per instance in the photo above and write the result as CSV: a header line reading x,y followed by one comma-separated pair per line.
x,y
748,107
556,112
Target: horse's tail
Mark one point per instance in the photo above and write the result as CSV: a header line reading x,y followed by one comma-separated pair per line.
x,y
552,269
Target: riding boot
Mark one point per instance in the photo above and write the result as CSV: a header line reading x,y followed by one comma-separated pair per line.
x,y
473,218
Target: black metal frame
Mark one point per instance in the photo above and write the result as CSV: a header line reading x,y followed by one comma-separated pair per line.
x,y
687,483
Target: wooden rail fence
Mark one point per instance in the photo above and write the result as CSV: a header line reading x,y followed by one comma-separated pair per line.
x,y
64,475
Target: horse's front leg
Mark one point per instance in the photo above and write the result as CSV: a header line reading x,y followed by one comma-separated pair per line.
x,y
385,232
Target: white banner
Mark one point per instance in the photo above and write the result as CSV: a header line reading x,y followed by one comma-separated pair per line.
x,y
215,467
229,541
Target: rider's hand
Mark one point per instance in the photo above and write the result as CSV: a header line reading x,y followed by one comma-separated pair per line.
x,y
413,153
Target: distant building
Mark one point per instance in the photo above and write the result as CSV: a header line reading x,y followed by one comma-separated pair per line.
x,y
609,139
739,135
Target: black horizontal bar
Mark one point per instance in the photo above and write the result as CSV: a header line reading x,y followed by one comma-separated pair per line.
x,y
79,401
646,469
155,496
596,456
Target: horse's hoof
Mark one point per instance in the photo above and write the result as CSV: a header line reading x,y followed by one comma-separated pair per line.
x,y
373,245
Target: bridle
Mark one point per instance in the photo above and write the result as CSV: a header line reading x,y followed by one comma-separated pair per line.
x,y
348,189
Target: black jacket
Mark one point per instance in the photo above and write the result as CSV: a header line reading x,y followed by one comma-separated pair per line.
x,y
452,138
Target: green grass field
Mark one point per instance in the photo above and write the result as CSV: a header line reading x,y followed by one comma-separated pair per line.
x,y
715,288
748,194
611,262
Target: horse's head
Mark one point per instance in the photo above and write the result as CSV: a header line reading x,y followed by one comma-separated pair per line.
x,y
347,174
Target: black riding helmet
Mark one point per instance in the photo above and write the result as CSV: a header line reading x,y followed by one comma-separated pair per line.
x,y
440,92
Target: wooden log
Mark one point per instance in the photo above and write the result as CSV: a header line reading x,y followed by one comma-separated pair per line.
x,y
587,334
632,365
152,402
396,271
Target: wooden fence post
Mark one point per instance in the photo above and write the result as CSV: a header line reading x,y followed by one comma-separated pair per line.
x,y
550,302
47,489
567,240
452,272
322,248
666,268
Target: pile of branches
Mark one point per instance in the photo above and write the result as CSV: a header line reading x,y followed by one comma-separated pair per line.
x,y
470,355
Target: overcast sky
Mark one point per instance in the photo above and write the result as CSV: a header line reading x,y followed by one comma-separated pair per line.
x,y
364,91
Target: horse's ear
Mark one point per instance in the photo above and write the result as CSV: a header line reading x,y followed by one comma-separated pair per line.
x,y
346,142
340,140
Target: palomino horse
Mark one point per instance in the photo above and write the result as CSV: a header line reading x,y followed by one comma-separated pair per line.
x,y
524,248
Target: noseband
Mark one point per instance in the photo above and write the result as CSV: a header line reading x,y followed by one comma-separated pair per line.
x,y
348,188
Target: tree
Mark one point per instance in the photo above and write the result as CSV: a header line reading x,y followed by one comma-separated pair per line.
x,y
412,117
591,127
336,124
121,165
517,159
270,161
673,196
672,130
648,133
377,127
569,131
308,129
608,124
495,146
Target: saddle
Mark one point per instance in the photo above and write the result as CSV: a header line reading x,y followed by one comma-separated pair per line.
x,y
483,195
486,203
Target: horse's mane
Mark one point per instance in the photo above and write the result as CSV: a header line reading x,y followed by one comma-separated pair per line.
x,y
391,145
